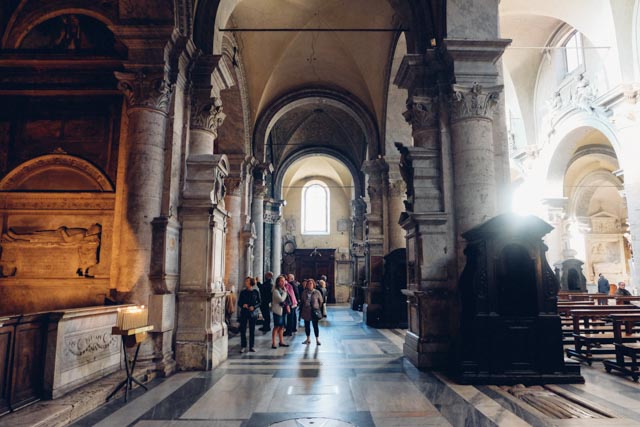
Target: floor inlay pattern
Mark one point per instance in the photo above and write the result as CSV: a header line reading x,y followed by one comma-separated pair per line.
x,y
357,377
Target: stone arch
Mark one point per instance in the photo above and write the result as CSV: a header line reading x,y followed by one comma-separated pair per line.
x,y
349,105
358,180
558,152
56,172
20,25
579,202
234,136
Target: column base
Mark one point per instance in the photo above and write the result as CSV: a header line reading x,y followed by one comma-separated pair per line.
x,y
201,356
372,314
426,355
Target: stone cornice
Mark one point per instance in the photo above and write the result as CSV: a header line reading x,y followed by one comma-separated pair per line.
x,y
475,60
473,101
150,90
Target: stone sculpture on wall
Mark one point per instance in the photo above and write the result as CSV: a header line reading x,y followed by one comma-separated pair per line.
x,y
61,252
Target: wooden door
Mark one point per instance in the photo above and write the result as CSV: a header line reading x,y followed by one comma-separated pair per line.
x,y
313,263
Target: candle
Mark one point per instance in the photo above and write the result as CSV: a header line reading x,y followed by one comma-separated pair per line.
x,y
132,318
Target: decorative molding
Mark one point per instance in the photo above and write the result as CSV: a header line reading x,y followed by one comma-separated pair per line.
x,y
473,101
142,90
86,347
22,172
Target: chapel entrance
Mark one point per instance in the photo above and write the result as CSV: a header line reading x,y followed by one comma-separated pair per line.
x,y
315,263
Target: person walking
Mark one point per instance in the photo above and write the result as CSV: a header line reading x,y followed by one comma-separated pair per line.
x,y
301,287
266,289
248,301
278,308
311,301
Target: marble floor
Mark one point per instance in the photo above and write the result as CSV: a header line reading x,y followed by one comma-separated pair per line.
x,y
357,377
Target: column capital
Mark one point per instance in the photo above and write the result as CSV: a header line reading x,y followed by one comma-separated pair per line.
x,y
259,190
146,89
375,168
210,75
397,188
234,186
422,112
473,101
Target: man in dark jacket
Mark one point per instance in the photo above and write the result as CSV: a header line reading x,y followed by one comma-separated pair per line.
x,y
603,288
266,289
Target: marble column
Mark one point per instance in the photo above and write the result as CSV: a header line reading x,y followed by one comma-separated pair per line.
x,y
147,95
397,196
233,204
273,216
201,336
376,171
473,153
472,103
257,215
427,170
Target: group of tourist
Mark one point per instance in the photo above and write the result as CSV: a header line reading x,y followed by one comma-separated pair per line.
x,y
287,301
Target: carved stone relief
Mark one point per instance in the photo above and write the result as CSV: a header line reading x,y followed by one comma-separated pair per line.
x,y
61,253
85,347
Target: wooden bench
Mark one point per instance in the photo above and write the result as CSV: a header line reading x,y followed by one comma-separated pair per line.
x,y
624,349
590,343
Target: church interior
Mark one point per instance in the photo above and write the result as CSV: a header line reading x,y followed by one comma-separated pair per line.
x,y
459,173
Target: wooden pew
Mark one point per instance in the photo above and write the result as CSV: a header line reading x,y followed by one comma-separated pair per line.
x,y
623,349
590,340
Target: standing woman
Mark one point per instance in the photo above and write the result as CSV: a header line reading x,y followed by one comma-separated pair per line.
x,y
248,302
323,290
278,298
311,300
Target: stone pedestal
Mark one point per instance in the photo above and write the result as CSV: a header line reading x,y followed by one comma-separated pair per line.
x,y
427,220
201,337
374,239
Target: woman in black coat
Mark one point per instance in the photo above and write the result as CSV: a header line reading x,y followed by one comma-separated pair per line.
x,y
249,302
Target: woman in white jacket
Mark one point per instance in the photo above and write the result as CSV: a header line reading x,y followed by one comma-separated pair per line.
x,y
278,301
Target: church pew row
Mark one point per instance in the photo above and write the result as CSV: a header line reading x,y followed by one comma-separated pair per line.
x,y
626,353
594,345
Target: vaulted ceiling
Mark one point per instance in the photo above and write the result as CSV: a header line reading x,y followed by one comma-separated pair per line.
x,y
279,62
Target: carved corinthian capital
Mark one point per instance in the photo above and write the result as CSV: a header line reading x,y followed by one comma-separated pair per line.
x,y
146,90
469,101
206,113
422,112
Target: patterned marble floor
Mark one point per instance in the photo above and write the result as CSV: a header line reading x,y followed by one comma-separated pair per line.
x,y
357,377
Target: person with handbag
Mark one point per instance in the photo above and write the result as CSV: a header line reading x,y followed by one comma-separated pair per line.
x,y
249,303
279,309
290,321
311,300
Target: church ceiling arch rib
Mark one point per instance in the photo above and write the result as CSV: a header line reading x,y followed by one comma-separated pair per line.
x,y
316,118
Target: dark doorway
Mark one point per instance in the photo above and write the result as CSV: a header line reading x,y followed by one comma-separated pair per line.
x,y
313,263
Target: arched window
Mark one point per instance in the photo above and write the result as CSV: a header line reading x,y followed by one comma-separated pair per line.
x,y
573,54
315,208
